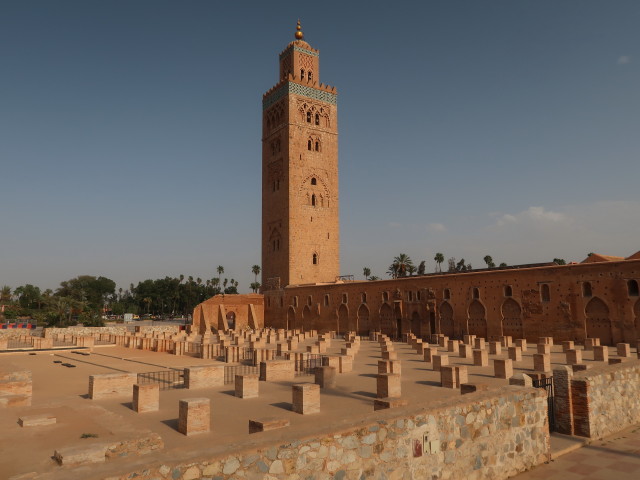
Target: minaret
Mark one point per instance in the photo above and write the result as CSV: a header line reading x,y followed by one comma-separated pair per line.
x,y
300,224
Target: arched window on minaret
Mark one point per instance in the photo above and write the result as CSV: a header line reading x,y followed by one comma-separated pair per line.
x,y
308,144
317,119
317,146
302,73
313,200
315,259
309,75
314,181
308,117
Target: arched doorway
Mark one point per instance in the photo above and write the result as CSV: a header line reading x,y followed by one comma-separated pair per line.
x,y
512,319
636,314
343,318
364,326
291,319
415,324
231,320
446,319
598,323
387,321
477,320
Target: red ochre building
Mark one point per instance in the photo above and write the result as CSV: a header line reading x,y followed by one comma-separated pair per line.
x,y
302,288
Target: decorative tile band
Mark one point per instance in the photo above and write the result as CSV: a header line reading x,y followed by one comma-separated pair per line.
x,y
298,49
297,89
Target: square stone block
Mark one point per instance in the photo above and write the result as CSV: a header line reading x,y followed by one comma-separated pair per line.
x,y
146,398
546,340
442,341
439,360
194,416
429,353
389,356
544,348
522,343
567,345
82,455
505,341
542,362
466,351
345,363
277,370
503,368
480,358
589,343
495,348
453,346
331,361
306,398
600,353
325,376
573,357
469,339
479,344
515,354
385,403
388,385
473,387
247,385
624,350
206,376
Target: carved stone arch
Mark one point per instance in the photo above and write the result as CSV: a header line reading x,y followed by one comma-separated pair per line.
x,y
446,319
363,323
343,318
598,322
292,324
477,319
321,185
307,318
387,320
636,314
512,319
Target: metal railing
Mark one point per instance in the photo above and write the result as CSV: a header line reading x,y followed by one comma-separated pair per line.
x,y
230,371
547,384
167,379
306,366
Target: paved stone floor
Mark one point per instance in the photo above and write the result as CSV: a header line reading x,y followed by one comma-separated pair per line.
x,y
614,458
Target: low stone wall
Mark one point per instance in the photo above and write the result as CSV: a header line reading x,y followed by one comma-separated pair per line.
x,y
111,330
606,399
488,435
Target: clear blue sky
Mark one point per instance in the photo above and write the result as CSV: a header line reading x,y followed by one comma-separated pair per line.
x,y
130,132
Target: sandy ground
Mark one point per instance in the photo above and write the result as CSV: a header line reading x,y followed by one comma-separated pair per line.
x,y
62,391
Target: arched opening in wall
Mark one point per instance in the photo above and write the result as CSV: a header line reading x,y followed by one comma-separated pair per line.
x,y
512,319
231,320
387,320
317,119
586,290
313,200
343,318
447,294
309,145
314,259
307,321
632,288
508,291
477,320
475,293
302,73
317,149
291,319
308,117
598,322
415,324
309,75
636,314
545,295
446,319
364,326
363,297
314,181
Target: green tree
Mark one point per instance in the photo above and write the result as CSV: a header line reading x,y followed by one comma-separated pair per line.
x,y
502,265
256,271
400,265
559,261
439,258
373,278
422,268
411,269
489,261
366,271
451,264
255,286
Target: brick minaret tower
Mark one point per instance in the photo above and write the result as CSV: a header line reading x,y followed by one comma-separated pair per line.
x,y
300,225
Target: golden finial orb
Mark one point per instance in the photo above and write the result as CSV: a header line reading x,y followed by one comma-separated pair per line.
x,y
299,35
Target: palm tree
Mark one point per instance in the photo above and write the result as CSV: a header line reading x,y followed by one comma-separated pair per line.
x,y
400,266
439,258
366,271
373,277
255,286
411,269
256,271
